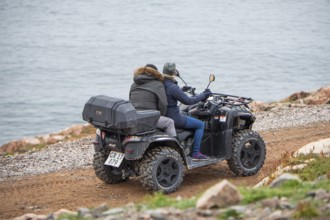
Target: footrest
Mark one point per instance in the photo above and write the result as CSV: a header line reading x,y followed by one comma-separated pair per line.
x,y
191,164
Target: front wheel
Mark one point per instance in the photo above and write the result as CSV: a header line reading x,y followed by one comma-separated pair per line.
x,y
248,153
161,169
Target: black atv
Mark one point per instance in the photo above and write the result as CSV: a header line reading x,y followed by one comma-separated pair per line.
x,y
128,144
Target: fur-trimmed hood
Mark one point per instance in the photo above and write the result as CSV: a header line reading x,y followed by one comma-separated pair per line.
x,y
172,78
144,74
148,91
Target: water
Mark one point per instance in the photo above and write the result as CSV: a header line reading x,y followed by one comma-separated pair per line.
x,y
55,54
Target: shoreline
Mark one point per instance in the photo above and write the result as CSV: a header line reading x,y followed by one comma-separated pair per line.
x,y
299,100
297,109
63,171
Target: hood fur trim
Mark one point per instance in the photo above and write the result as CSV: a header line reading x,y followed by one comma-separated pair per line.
x,y
149,71
169,77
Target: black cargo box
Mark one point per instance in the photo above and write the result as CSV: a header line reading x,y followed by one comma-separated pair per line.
x,y
118,114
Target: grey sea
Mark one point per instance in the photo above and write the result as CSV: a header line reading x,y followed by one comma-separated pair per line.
x,y
56,54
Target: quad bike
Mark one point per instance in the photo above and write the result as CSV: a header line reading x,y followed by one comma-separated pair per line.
x,y
128,144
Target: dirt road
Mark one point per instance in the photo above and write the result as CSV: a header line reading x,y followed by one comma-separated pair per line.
x,y
47,193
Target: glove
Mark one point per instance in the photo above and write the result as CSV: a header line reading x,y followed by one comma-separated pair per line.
x,y
207,93
186,88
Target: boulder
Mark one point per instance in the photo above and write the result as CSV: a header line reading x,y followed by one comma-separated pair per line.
x,y
258,106
282,179
63,212
321,96
317,147
31,216
220,195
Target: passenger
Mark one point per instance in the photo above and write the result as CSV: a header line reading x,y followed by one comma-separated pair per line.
x,y
175,94
148,93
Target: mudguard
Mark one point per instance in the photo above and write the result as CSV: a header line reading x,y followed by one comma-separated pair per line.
x,y
97,143
136,148
233,115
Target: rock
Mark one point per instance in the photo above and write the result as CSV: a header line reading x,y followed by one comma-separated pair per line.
x,y
286,204
277,215
326,208
272,203
220,195
63,212
159,214
82,212
19,145
31,216
296,97
298,167
58,137
322,194
31,141
257,106
114,211
97,212
321,96
282,179
317,147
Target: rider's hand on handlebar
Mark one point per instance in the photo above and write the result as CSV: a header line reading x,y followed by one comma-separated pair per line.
x,y
207,93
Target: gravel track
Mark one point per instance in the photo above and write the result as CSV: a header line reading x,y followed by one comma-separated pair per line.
x,y
79,153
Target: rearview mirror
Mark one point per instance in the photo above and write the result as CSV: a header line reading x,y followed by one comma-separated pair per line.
x,y
211,77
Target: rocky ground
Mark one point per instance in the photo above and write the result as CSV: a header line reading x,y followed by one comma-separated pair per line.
x,y
60,175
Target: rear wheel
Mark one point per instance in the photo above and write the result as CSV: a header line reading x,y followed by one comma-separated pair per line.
x,y
106,173
161,169
248,153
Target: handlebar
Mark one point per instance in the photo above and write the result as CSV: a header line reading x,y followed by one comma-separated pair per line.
x,y
225,98
232,99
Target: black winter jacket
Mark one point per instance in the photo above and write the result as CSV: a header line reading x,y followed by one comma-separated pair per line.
x,y
148,92
175,94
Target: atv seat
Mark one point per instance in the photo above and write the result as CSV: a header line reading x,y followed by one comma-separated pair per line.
x,y
145,121
184,133
147,116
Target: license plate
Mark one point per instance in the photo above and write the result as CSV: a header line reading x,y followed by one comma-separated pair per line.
x,y
114,159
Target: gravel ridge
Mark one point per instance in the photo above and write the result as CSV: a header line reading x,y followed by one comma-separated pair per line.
x,y
79,153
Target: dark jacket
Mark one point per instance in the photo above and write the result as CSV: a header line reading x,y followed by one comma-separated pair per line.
x,y
148,92
175,94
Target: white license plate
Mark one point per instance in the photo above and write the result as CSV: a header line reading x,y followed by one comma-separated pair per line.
x,y
114,159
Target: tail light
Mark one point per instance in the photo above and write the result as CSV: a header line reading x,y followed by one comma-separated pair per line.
x,y
102,135
132,139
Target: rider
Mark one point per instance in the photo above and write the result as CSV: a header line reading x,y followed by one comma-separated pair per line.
x,y
175,94
148,92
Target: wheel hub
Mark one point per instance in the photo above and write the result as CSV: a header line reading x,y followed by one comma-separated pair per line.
x,y
167,172
250,154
